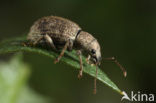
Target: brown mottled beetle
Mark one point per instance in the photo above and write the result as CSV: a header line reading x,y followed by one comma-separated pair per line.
x,y
61,33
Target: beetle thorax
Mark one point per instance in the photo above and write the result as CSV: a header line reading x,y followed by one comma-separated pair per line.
x,y
86,41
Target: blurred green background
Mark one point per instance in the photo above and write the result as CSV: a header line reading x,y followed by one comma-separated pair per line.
x,y
125,29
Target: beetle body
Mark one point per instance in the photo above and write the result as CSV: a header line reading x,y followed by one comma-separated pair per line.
x,y
62,30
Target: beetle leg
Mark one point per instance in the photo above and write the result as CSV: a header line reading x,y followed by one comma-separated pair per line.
x,y
118,64
95,80
62,53
87,59
37,41
49,41
81,64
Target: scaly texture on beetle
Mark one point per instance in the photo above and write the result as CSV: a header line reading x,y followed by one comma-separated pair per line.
x,y
56,27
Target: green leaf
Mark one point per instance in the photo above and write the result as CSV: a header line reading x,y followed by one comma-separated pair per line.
x,y
70,58
13,78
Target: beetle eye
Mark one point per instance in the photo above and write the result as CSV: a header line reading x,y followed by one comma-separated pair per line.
x,y
93,51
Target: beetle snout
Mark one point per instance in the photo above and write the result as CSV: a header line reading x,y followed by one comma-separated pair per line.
x,y
97,60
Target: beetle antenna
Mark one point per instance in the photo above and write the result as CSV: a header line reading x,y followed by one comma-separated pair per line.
x,y
121,67
118,64
95,80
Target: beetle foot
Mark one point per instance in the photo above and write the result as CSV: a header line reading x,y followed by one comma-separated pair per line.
x,y
88,62
27,44
94,91
24,44
80,75
92,65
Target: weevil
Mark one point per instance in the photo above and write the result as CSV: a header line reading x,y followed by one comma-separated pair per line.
x,y
61,33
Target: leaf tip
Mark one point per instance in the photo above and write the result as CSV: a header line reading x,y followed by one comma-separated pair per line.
x,y
122,92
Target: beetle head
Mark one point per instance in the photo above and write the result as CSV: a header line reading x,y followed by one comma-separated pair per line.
x,y
90,45
95,52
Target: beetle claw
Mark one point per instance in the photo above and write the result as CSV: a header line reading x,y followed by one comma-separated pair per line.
x,y
80,74
56,61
